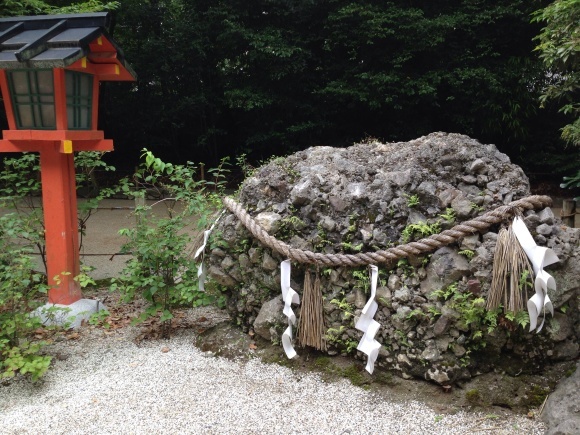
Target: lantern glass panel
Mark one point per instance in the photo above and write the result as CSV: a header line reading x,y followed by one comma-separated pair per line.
x,y
32,94
79,100
45,82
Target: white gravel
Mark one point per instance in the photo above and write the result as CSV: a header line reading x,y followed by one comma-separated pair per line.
x,y
113,386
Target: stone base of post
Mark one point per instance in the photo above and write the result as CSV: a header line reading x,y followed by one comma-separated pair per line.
x,y
68,316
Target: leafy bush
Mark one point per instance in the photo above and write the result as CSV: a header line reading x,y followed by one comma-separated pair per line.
x,y
22,232
162,269
20,288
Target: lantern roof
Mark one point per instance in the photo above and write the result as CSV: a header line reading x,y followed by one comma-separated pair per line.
x,y
78,42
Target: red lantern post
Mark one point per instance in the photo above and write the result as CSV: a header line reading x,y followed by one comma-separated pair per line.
x,y
50,69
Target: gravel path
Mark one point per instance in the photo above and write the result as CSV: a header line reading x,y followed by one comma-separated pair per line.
x,y
110,385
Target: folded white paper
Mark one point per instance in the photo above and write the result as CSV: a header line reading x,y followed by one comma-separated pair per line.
x,y
201,271
289,297
368,345
539,257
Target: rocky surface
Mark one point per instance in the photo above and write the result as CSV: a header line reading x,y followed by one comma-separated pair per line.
x,y
431,308
562,411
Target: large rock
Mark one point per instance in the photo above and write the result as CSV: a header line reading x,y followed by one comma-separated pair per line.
x,y
269,319
372,196
562,410
445,268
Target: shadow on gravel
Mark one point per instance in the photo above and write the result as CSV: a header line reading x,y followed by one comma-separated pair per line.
x,y
494,394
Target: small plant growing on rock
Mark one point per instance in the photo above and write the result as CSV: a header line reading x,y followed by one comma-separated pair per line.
x,y
335,336
290,226
412,200
473,316
406,268
467,253
346,308
362,279
476,207
348,246
449,215
417,313
422,229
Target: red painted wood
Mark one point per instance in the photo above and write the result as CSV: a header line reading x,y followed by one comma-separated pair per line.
x,y
97,145
113,71
102,61
18,146
61,226
53,135
7,100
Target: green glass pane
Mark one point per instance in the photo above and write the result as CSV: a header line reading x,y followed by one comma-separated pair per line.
x,y
45,82
85,117
86,86
70,113
48,116
79,89
19,81
25,117
22,99
33,98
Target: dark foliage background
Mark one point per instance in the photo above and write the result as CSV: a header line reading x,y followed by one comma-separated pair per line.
x,y
268,77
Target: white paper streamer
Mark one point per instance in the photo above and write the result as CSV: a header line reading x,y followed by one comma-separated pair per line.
x,y
201,271
289,296
539,257
368,345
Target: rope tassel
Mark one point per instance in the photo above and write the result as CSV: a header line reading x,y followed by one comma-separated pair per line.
x,y
311,327
509,275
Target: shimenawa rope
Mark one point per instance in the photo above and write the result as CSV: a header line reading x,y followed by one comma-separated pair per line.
x,y
430,243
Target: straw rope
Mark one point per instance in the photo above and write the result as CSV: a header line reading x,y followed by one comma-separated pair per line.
x,y
430,243
311,327
510,264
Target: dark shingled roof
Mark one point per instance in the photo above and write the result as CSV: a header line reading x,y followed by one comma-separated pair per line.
x,y
56,41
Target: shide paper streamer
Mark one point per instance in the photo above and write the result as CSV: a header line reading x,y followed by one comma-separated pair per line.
x,y
201,270
368,345
539,257
289,297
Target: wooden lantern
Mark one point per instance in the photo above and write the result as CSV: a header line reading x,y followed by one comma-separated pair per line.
x,y
50,70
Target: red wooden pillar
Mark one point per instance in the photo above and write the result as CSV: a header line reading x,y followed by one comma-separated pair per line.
x,y
60,222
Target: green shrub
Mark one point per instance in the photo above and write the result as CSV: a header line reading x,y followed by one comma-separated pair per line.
x,y
20,290
162,269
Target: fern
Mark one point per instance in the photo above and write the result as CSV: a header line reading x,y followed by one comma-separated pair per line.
x,y
522,318
468,253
